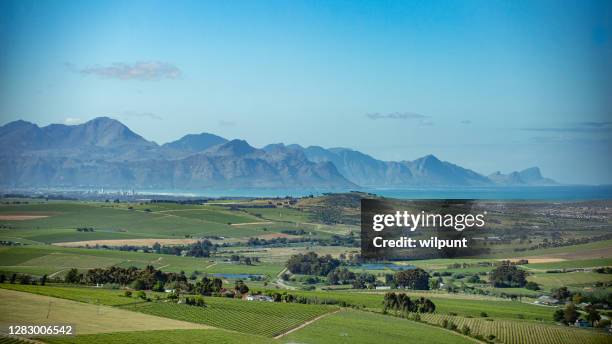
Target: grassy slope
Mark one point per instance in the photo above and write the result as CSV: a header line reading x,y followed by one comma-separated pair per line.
x,y
112,221
40,260
82,294
261,318
519,332
361,327
555,280
466,305
25,308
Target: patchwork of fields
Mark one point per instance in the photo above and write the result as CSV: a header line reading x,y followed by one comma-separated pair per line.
x,y
39,226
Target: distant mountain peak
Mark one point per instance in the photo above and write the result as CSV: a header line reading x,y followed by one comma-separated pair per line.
x,y
195,142
234,147
430,158
528,176
20,123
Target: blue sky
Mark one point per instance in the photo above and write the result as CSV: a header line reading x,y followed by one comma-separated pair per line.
x,y
489,85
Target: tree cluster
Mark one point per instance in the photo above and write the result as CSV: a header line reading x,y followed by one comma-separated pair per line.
x,y
402,303
508,276
412,279
311,264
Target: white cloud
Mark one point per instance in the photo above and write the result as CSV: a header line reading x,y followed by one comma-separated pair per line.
x,y
144,71
72,121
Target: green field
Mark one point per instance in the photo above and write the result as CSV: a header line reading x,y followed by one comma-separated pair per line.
x,y
91,295
570,264
554,280
39,260
465,305
118,222
26,308
256,317
363,327
519,332
162,337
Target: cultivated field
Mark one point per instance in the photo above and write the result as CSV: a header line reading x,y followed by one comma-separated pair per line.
x,y
25,308
363,327
261,318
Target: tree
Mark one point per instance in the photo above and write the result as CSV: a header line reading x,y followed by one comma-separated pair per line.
x,y
559,315
311,264
72,276
13,278
570,315
508,276
138,284
532,286
2,278
561,294
413,279
592,314
25,279
159,286
43,280
240,287
341,276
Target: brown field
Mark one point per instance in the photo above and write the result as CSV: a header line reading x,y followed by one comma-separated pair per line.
x,y
121,242
275,235
252,223
17,217
536,260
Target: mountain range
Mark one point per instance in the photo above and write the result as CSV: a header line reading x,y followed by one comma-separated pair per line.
x,y
103,152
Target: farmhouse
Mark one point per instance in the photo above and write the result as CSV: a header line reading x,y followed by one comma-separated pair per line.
x,y
546,300
259,298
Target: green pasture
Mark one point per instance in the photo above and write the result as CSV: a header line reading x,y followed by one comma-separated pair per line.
x,y
357,327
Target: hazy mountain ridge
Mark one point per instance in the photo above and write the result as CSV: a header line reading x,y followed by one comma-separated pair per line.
x,y
529,176
105,153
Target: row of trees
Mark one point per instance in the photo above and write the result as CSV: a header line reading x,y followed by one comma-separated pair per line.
x,y
23,279
342,275
508,276
200,249
147,278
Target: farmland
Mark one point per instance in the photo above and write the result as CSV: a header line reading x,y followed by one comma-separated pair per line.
x,y
518,332
162,337
362,327
26,308
465,305
39,260
261,318
43,239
